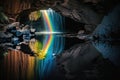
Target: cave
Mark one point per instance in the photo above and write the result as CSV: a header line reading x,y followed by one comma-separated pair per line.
x,y
59,39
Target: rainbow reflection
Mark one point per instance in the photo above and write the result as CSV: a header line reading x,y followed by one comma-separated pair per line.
x,y
52,45
49,29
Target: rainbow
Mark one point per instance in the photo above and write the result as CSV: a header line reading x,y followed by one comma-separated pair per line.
x,y
49,25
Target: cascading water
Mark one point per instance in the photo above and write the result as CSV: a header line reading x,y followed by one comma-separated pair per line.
x,y
52,44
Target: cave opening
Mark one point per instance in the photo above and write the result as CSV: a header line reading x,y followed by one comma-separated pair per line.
x,y
77,40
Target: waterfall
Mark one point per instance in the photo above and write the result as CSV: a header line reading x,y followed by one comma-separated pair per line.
x,y
52,22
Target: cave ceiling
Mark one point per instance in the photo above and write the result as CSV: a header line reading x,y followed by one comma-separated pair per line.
x,y
88,12
85,11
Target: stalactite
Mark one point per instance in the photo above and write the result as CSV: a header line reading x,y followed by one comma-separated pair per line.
x,y
17,66
13,7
